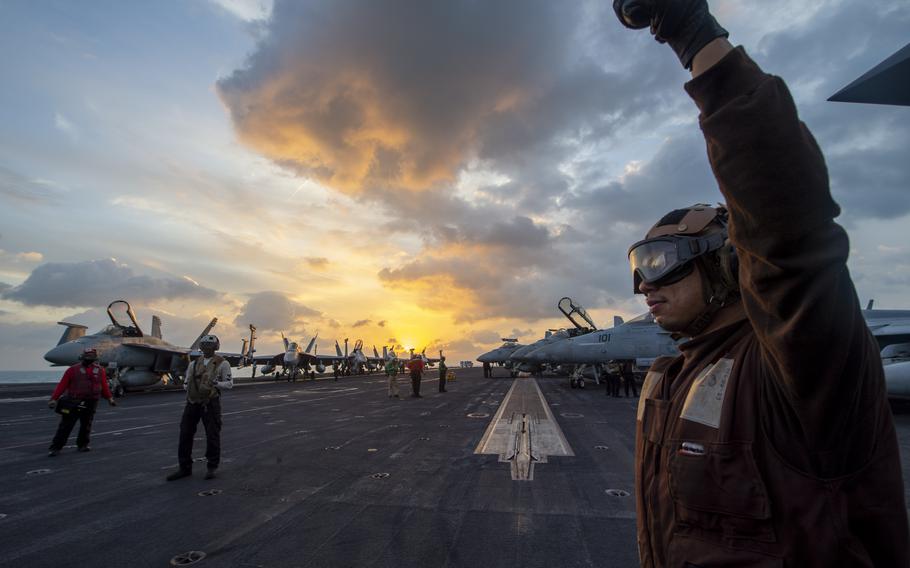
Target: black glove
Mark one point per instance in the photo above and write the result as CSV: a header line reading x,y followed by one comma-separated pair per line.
x,y
686,25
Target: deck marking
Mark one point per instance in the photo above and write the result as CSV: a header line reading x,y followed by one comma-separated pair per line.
x,y
523,432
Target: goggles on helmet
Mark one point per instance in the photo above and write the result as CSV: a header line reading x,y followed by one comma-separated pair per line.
x,y
667,259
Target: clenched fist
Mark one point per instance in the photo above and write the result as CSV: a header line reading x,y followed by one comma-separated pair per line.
x,y
686,25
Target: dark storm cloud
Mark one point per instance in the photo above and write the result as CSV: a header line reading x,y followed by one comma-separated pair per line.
x,y
865,145
274,311
98,282
396,92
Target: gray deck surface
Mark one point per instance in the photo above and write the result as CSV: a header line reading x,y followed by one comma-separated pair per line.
x,y
290,498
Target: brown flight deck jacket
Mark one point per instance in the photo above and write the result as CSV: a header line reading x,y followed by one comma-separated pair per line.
x,y
770,442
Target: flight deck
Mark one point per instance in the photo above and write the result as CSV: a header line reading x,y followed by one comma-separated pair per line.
x,y
333,474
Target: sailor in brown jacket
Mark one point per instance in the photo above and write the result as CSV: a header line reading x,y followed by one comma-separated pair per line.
x,y
769,440
205,377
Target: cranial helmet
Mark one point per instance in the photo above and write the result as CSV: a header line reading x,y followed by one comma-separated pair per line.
x,y
682,238
210,341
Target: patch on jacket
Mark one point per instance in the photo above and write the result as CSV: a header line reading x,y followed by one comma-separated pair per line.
x,y
705,400
651,379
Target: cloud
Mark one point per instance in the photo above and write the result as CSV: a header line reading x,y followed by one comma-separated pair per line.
x,y
22,257
317,262
352,94
65,125
98,282
4,286
361,323
275,311
381,323
25,190
249,10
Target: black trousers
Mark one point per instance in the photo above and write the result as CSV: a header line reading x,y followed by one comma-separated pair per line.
x,y
210,414
628,382
415,383
67,421
442,382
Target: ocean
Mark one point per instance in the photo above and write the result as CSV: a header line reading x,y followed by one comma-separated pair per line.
x,y
17,377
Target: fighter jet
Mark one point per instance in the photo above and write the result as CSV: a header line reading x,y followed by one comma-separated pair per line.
x,y
134,360
639,339
501,354
582,324
293,361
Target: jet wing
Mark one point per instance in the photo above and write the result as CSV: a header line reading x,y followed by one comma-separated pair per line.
x,y
233,359
158,348
276,360
324,359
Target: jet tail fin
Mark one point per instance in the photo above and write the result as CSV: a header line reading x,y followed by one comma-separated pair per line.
x,y
156,327
375,353
869,305
338,349
285,339
73,331
312,342
617,321
205,332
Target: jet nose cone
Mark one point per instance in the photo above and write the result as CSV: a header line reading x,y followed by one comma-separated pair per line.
x,y
66,354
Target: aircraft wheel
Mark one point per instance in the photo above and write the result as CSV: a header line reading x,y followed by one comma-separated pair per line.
x,y
581,383
572,383
118,391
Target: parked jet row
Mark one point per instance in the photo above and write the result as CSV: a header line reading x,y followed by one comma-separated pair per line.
x,y
136,360
641,340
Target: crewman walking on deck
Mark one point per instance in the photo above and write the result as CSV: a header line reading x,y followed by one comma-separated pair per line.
x,y
626,372
486,370
442,374
205,377
415,366
391,370
774,438
84,383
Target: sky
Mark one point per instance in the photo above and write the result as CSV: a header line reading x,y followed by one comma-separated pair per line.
x,y
416,174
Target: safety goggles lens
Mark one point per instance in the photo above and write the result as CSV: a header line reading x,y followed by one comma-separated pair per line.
x,y
653,260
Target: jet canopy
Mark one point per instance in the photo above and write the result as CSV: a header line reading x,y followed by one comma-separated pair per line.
x,y
123,320
576,314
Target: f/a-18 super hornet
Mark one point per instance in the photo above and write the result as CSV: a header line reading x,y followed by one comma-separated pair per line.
x,y
640,340
500,355
891,329
133,359
292,362
295,361
581,324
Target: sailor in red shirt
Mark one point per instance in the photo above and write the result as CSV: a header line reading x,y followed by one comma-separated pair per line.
x,y
84,383
415,365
